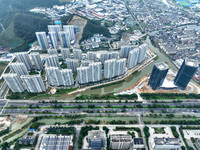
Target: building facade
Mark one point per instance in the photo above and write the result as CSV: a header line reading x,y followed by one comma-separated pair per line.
x,y
33,83
53,39
185,73
133,58
54,77
77,54
109,68
19,68
67,77
96,139
52,61
95,71
56,29
42,40
14,82
124,52
24,57
92,56
37,62
120,67
52,52
83,75
72,64
64,39
85,63
69,29
142,52
65,53
158,75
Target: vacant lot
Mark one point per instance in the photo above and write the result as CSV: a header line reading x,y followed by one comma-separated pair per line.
x,y
80,22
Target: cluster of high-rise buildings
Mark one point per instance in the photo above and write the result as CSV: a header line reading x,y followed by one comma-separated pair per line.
x,y
96,66
182,79
134,54
20,80
58,35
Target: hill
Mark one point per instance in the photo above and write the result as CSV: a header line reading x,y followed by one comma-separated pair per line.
x,y
20,24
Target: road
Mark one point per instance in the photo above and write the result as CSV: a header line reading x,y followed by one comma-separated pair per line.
x,y
133,15
38,108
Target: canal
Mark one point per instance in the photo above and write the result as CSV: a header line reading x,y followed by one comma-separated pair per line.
x,y
132,79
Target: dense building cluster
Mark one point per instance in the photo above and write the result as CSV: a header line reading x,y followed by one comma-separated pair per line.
x,y
182,79
58,36
93,67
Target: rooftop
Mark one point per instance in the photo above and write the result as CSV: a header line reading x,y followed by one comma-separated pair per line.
x,y
191,62
56,142
161,66
96,134
166,141
138,141
120,138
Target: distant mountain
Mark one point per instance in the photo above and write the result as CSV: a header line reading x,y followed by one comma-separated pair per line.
x,y
20,24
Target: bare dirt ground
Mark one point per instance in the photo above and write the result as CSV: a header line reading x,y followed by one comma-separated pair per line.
x,y
80,22
145,88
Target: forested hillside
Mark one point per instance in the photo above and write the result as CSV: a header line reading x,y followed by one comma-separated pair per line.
x,y
21,24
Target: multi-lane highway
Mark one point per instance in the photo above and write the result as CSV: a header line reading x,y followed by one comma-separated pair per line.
x,y
39,108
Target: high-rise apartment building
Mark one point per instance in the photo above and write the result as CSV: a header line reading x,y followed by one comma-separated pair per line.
x,y
56,29
142,52
108,55
67,77
186,72
42,40
120,66
124,52
158,75
72,64
109,68
52,61
64,39
92,56
85,63
19,68
14,82
104,56
65,53
24,57
54,76
133,58
83,75
69,29
95,72
53,39
113,55
33,83
37,62
52,52
77,54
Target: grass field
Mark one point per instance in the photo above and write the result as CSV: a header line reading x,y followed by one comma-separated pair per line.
x,y
166,118
52,121
3,66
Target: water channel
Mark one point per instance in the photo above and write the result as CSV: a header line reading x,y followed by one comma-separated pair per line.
x,y
132,79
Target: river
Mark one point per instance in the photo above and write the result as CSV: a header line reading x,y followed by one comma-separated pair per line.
x,y
132,79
